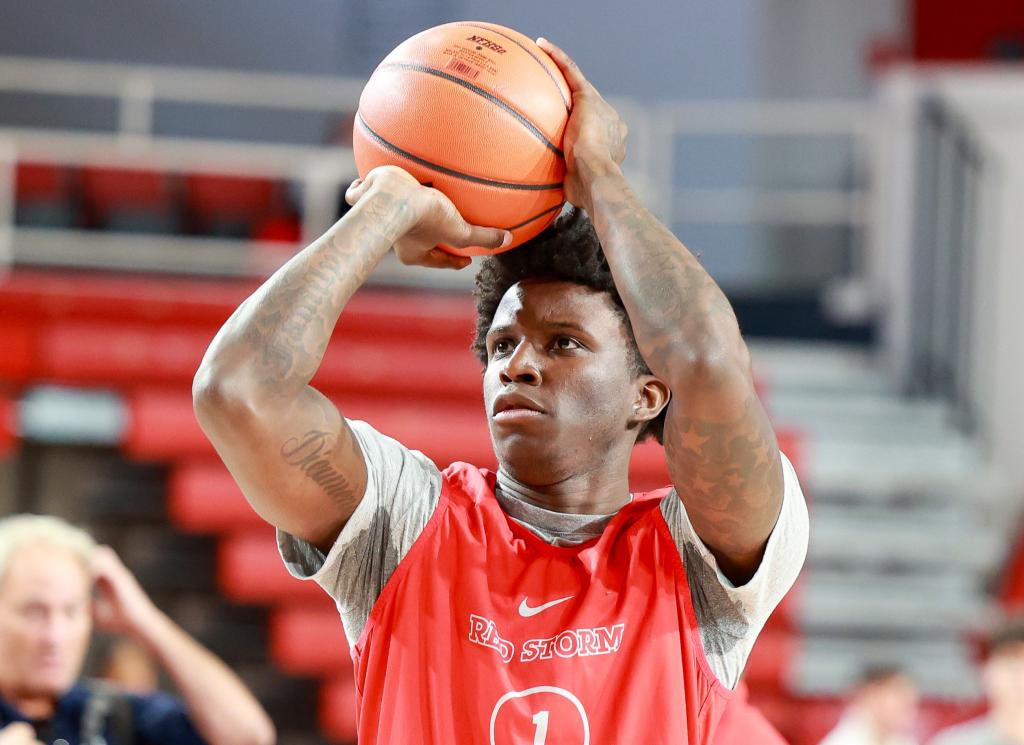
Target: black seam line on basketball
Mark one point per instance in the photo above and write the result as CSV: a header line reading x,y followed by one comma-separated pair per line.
x,y
529,52
480,92
535,217
448,171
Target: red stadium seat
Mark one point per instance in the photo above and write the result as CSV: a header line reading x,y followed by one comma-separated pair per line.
x,y
108,189
18,345
281,229
40,182
1011,595
119,353
131,353
8,426
250,570
162,426
372,313
128,199
219,195
310,641
770,660
203,497
230,205
338,709
807,720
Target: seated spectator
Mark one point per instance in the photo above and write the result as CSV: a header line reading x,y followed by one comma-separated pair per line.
x,y
48,572
882,711
1002,676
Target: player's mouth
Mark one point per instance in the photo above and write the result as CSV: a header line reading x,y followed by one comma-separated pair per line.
x,y
512,407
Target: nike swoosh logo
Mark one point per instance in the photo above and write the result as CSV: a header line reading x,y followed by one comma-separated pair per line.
x,y
526,611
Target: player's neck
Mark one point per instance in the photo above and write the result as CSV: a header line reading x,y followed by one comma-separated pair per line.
x,y
581,494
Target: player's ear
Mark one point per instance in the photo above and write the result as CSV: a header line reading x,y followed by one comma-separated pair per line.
x,y
651,395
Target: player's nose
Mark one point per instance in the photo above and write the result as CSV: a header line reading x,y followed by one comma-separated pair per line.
x,y
523,366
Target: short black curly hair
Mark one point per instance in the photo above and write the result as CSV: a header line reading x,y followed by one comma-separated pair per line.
x,y
568,251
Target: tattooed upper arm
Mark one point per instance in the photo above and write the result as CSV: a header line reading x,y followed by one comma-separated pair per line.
x,y
298,463
724,462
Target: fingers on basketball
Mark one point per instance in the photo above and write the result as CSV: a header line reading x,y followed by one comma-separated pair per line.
x,y
573,74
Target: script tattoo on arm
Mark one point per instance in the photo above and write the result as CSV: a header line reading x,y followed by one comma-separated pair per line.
x,y
721,449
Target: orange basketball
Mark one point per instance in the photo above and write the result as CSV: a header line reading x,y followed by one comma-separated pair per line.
x,y
475,110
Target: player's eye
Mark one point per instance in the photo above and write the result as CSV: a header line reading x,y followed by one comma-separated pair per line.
x,y
565,343
501,346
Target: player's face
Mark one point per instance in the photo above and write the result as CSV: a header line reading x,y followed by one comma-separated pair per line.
x,y
45,622
558,386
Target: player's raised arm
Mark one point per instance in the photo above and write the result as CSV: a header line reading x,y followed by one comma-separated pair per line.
x,y
722,453
288,447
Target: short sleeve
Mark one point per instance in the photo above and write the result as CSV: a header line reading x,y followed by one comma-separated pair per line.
x,y
403,488
730,617
162,719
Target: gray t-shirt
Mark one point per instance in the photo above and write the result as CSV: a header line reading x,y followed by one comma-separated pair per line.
x,y
980,731
403,487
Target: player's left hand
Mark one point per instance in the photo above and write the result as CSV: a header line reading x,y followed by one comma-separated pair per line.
x,y
121,605
595,137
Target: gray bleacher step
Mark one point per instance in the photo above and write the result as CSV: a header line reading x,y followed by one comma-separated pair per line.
x,y
874,537
830,666
879,465
881,410
850,602
817,366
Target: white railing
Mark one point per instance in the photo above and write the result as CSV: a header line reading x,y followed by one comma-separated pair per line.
x,y
657,143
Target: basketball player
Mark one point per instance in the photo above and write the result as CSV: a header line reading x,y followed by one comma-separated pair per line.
x,y
543,603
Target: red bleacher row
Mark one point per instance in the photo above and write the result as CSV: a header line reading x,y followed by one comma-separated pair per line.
x,y
398,360
104,197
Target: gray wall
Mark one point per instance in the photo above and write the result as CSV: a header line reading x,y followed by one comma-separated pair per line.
x,y
652,50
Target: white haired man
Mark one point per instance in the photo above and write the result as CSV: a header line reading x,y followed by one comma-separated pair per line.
x,y
48,573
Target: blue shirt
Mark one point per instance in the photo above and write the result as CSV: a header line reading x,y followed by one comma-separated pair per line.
x,y
158,719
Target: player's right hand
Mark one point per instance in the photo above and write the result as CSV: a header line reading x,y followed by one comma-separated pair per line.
x,y
18,733
430,217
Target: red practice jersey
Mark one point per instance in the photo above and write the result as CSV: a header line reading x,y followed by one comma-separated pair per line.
x,y
487,634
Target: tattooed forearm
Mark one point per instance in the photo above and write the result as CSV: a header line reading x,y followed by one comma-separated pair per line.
x,y
721,450
676,309
282,331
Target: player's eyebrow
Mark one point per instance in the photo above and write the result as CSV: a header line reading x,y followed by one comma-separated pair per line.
x,y
495,330
566,325
504,328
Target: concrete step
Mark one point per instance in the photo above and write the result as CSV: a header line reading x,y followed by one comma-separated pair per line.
x,y
817,366
950,464
942,666
873,537
898,604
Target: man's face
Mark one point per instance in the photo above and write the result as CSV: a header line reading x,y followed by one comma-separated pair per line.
x,y
1004,678
558,387
893,704
45,621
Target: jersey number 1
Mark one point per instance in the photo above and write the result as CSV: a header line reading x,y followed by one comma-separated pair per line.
x,y
541,735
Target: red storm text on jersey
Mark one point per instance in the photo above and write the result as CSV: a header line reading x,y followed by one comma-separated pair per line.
x,y
487,634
